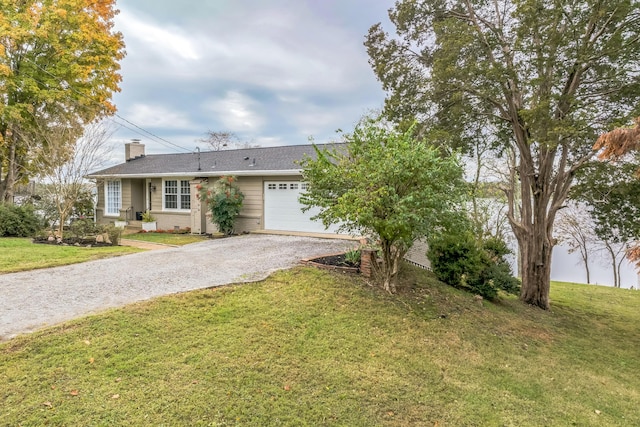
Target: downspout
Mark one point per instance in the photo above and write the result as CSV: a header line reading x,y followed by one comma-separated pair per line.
x,y
150,192
95,202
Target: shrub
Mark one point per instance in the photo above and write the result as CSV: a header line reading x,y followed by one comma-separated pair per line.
x,y
18,221
83,227
114,234
499,269
460,261
224,200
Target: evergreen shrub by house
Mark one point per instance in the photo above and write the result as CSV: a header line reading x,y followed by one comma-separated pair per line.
x,y
460,261
18,221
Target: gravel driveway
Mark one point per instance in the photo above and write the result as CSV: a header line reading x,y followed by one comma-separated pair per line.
x,y
35,299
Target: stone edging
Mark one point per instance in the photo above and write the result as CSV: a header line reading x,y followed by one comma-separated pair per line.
x,y
309,261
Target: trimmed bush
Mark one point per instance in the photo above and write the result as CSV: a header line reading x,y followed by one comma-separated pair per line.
x,y
81,228
460,261
18,221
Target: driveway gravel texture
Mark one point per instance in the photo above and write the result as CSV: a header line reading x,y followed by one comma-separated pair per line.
x,y
39,298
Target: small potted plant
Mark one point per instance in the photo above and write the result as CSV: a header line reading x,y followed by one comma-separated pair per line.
x,y
149,222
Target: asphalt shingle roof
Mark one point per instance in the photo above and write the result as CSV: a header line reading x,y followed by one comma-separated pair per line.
x,y
246,161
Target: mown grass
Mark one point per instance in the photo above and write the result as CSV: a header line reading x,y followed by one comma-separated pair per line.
x,y
18,254
307,347
165,238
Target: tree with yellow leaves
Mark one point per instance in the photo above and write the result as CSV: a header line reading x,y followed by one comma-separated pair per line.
x,y
59,66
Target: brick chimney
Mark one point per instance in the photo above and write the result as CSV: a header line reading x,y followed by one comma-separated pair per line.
x,y
133,150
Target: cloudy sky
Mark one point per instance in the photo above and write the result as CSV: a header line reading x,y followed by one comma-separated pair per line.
x,y
274,72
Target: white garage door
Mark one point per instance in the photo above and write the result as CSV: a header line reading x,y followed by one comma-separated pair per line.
x,y
283,211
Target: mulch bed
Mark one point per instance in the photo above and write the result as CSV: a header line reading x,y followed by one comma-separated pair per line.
x,y
336,262
71,241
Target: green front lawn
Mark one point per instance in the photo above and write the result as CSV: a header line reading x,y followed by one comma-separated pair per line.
x,y
308,347
19,254
165,238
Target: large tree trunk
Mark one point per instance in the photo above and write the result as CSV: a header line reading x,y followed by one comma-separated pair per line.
x,y
535,258
542,194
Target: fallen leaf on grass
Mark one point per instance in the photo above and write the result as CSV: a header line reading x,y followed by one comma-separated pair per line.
x,y
91,360
48,404
118,379
598,412
87,342
115,396
73,392
287,387
53,387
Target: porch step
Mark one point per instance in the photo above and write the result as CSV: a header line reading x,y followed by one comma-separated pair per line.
x,y
134,225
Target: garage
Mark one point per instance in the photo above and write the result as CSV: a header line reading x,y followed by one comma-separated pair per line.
x,y
283,211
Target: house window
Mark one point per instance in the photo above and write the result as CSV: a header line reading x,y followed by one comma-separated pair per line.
x,y
185,195
304,186
177,194
271,186
293,186
113,198
282,186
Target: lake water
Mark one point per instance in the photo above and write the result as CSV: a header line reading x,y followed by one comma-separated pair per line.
x,y
567,267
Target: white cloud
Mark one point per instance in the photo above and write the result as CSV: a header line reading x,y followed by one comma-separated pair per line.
x,y
282,48
236,112
272,72
157,116
170,42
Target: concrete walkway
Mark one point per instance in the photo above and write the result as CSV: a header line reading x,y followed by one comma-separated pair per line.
x,y
36,299
149,246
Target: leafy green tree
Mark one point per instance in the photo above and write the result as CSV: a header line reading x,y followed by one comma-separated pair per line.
x,y
224,200
540,79
385,184
58,70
